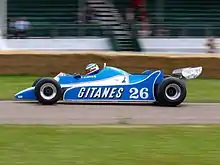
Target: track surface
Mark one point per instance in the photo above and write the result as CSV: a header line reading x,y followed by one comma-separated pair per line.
x,y
32,113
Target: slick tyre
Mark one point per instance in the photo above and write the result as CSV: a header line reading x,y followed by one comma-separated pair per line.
x,y
36,81
171,92
48,91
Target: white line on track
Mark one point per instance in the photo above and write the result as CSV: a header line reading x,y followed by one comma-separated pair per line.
x,y
138,126
112,126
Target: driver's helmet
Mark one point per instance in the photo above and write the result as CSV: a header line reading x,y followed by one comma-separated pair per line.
x,y
92,68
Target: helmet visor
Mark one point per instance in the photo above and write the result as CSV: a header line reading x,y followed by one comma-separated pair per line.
x,y
90,70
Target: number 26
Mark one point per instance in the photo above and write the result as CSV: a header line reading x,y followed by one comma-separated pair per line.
x,y
136,93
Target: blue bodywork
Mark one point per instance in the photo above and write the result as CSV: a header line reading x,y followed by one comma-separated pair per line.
x,y
109,84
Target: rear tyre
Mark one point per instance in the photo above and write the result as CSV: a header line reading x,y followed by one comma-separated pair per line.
x,y
48,91
171,92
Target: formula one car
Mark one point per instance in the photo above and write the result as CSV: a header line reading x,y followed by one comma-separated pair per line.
x,y
113,85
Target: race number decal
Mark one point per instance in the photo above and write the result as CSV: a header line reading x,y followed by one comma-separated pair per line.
x,y
135,93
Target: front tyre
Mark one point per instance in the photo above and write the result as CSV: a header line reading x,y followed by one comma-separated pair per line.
x,y
171,92
36,81
48,91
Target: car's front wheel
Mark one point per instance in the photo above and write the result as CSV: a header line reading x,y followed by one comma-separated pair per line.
x,y
48,91
36,81
171,92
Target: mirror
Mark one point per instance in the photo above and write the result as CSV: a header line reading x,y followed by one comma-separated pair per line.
x,y
77,76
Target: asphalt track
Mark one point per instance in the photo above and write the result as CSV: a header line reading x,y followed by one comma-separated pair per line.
x,y
66,113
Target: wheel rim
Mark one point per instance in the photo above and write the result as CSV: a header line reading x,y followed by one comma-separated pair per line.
x,y
48,91
173,91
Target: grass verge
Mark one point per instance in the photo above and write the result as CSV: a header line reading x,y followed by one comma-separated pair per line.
x,y
60,145
203,90
9,85
199,90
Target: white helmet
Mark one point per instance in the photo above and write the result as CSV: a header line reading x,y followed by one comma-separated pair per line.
x,y
91,68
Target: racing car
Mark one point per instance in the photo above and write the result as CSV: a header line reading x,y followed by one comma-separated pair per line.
x,y
113,84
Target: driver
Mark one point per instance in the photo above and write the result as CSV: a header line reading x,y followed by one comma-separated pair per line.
x,y
92,69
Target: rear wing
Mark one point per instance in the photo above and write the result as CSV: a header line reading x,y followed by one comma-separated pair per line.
x,y
188,73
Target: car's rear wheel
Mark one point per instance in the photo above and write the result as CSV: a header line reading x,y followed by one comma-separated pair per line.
x,y
171,92
48,91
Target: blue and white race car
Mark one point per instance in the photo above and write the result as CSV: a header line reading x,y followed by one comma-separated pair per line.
x,y
112,84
